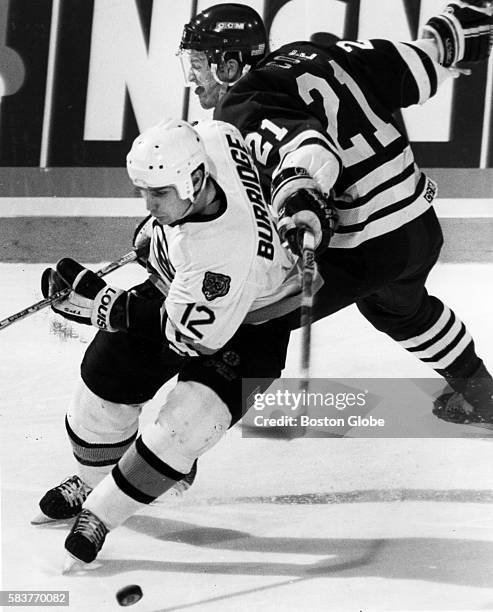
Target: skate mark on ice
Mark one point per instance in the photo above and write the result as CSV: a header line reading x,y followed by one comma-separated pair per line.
x,y
482,496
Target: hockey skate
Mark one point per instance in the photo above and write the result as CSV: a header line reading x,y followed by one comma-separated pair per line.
x,y
62,502
84,541
65,501
472,406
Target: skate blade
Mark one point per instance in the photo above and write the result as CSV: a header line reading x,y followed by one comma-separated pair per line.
x,y
485,7
42,519
482,425
71,564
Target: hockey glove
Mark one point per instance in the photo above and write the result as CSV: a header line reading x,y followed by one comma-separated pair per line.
x,y
463,32
142,239
91,301
307,209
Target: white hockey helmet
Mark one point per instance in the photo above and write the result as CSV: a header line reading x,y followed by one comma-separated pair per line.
x,y
167,155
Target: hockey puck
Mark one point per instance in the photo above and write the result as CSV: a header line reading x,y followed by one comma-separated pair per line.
x,y
129,595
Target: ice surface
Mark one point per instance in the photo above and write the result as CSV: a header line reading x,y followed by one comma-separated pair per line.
x,y
389,524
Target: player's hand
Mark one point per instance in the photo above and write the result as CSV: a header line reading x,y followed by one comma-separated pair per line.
x,y
91,301
307,209
142,239
463,32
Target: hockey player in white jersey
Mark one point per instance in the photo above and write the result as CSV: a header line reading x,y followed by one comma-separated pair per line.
x,y
227,283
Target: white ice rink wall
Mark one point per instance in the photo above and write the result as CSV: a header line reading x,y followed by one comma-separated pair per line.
x,y
79,80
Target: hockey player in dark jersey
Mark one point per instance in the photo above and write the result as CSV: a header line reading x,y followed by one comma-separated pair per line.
x,y
319,121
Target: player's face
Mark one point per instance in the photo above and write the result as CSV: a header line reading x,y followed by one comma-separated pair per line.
x,y
165,205
198,74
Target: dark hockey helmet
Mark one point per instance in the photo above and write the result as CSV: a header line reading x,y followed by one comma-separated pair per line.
x,y
225,28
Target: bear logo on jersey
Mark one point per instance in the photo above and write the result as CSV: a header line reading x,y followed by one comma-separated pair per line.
x,y
215,285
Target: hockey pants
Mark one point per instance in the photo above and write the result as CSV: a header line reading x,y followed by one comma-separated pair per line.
x,y
385,277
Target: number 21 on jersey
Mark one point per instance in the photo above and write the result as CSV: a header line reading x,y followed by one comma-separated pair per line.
x,y
261,143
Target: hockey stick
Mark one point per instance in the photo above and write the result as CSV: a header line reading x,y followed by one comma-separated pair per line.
x,y
63,293
308,272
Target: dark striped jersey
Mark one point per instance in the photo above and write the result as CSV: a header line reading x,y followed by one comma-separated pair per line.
x,y
331,111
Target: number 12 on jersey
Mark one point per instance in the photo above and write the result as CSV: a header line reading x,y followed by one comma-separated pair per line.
x,y
193,317
192,324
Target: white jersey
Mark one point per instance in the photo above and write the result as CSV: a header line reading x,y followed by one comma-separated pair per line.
x,y
216,269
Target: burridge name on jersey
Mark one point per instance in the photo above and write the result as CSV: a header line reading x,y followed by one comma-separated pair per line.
x,y
249,179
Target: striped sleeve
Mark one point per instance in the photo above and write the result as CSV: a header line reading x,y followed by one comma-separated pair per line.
x,y
400,73
422,69
410,74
